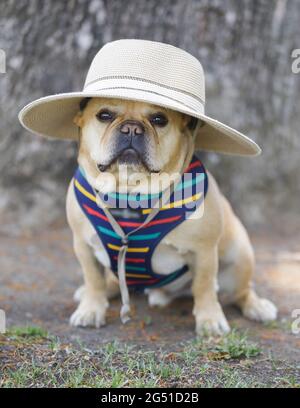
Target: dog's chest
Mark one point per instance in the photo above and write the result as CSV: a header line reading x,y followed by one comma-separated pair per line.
x,y
166,257
139,232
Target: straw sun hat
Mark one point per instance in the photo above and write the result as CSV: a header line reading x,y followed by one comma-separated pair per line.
x,y
139,70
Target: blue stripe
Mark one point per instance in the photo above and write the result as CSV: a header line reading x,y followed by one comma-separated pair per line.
x,y
140,237
135,268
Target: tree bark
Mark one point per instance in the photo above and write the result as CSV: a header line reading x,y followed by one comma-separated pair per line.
x,y
245,48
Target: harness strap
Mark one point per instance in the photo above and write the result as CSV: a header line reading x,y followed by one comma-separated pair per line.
x,y
125,309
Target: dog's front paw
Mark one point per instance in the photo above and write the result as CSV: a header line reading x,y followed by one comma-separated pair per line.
x,y
90,312
211,322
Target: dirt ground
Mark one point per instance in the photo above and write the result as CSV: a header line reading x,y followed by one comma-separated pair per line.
x,y
39,275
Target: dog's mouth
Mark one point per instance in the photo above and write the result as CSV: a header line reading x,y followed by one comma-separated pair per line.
x,y
129,157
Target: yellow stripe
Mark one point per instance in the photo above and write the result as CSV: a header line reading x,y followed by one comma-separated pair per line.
x,y
176,203
133,275
117,248
84,192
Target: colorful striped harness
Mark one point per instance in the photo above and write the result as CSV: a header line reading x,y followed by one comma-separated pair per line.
x,y
130,211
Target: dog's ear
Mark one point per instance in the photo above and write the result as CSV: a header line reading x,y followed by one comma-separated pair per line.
x,y
83,103
78,119
190,122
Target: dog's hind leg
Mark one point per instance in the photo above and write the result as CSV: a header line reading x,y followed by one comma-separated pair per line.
x,y
236,279
158,297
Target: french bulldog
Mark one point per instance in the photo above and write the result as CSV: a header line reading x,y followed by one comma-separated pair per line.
x,y
120,138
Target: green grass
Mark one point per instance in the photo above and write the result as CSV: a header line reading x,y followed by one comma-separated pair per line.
x,y
237,345
280,324
289,381
32,358
27,331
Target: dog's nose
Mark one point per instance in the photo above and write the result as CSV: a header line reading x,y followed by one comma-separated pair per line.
x,y
132,128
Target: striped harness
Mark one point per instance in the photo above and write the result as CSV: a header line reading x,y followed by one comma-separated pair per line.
x,y
130,211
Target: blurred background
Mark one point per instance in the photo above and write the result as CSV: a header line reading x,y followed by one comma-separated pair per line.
x,y
245,48
248,49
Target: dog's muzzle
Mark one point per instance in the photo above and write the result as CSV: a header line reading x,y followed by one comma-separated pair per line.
x,y
131,137
129,144
132,128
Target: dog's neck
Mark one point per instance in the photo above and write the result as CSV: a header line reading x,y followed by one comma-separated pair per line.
x,y
129,205
127,181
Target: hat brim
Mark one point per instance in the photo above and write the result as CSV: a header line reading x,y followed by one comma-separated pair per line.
x,y
52,116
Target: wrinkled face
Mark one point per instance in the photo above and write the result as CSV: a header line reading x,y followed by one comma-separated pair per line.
x,y
143,138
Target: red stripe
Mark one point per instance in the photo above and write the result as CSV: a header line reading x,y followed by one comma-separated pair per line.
x,y
193,165
163,221
129,223
155,222
95,213
134,260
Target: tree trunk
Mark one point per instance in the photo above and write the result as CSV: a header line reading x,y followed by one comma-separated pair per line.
x,y
245,48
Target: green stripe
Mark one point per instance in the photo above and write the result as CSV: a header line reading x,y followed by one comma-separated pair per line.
x,y
133,197
168,279
144,236
135,268
189,183
141,197
82,171
109,232
140,237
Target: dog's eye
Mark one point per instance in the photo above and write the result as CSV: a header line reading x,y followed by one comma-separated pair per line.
x,y
105,115
159,119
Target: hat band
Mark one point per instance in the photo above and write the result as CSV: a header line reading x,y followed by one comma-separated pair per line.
x,y
175,95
